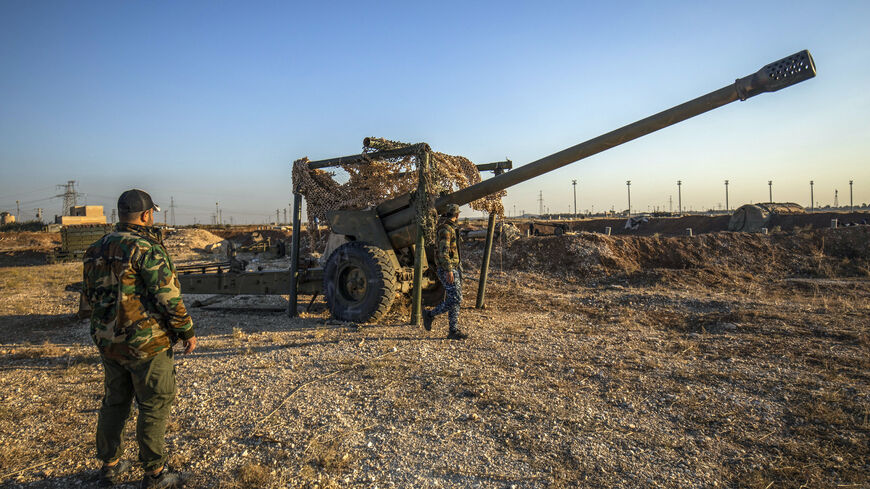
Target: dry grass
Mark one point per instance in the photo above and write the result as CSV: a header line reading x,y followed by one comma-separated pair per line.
x,y
48,276
328,455
254,476
45,350
13,455
324,460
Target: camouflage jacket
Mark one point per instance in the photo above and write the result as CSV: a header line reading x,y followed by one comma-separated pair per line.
x,y
130,283
447,246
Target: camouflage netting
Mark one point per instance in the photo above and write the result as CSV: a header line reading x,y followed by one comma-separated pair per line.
x,y
380,179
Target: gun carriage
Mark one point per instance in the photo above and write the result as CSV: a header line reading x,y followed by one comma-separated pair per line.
x,y
382,253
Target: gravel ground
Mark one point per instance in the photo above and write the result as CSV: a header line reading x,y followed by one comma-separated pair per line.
x,y
561,384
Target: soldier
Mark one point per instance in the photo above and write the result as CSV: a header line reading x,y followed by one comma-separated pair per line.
x,y
449,270
131,286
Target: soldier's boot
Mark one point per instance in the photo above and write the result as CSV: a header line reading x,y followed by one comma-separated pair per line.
x,y
111,474
165,479
428,317
456,334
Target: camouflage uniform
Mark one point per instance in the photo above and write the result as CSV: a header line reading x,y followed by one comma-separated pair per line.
x,y
447,259
131,286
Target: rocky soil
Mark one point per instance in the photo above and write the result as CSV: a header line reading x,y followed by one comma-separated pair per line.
x,y
705,369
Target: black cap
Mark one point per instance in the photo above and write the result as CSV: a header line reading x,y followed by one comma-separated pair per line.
x,y
135,200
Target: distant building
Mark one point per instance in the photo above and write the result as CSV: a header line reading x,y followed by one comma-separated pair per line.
x,y
6,218
82,214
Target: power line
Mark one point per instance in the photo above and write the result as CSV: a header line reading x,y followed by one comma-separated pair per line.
x,y
19,194
26,202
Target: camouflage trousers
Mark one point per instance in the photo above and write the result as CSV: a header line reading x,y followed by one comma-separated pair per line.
x,y
452,297
152,383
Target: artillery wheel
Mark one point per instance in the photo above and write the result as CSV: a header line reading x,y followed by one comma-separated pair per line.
x,y
359,283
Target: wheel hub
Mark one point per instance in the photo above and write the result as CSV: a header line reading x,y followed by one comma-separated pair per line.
x,y
353,283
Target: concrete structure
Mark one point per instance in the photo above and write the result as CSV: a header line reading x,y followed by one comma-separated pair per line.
x,y
82,214
6,218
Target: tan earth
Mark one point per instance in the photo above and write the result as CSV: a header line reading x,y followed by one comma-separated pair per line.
x,y
189,243
724,360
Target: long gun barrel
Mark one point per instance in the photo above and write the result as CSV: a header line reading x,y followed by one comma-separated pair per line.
x,y
775,76
772,77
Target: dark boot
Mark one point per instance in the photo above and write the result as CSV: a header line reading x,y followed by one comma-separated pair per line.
x,y
166,479
427,320
109,476
456,334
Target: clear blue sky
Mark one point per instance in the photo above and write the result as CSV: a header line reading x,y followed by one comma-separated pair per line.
x,y
211,101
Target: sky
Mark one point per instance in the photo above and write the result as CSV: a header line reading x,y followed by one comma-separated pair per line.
x,y
205,102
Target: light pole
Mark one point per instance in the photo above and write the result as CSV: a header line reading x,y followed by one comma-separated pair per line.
x,y
679,196
727,209
811,197
18,210
574,184
770,190
216,214
850,195
628,185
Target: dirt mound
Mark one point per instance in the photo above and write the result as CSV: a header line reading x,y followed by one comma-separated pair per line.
x,y
187,242
701,224
817,220
30,248
827,253
674,226
27,240
24,248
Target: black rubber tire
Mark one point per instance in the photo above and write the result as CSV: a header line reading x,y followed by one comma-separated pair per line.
x,y
375,274
559,231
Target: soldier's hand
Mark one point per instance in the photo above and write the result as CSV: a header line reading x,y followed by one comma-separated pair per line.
x,y
450,277
190,345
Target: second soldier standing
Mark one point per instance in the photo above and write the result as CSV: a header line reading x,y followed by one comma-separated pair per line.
x,y
449,270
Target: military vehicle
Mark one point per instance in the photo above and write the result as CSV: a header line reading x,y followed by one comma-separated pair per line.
x,y
377,258
75,240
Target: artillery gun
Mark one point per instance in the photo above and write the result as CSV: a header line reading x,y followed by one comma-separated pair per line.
x,y
382,252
